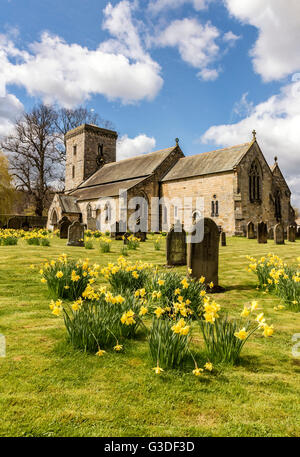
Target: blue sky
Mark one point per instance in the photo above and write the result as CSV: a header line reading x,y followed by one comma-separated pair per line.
x,y
206,71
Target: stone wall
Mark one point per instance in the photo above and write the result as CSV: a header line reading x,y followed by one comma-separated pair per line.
x,y
216,187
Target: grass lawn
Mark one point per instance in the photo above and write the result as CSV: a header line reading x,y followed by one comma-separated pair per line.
x,y
49,389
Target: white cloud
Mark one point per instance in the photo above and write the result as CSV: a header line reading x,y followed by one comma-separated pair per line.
x,y
208,74
10,109
277,123
230,37
130,147
196,44
156,6
276,51
69,73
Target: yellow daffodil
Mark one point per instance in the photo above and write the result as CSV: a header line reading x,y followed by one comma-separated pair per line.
x,y
197,371
157,369
208,366
242,334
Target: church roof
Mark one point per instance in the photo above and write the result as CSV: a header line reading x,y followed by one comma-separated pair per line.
x,y
104,190
206,163
68,204
132,168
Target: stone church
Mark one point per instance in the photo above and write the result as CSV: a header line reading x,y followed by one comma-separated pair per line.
x,y
236,183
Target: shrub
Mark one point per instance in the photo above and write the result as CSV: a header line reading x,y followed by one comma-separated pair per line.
x,y
67,279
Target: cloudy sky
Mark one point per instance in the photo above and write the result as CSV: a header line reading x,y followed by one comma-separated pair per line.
x,y
206,71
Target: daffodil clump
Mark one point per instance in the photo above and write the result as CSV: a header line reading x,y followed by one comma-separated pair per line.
x,y
277,276
38,237
68,279
88,242
105,244
125,275
132,242
99,319
224,338
157,243
184,295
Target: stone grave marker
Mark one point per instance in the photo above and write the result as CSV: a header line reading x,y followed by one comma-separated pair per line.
x,y
279,234
250,231
176,246
203,257
64,225
262,233
76,234
291,233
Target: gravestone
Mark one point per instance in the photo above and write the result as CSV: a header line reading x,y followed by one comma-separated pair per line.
x,y
115,232
176,246
76,234
298,232
250,231
142,236
279,234
262,233
223,239
203,257
271,233
64,225
14,223
91,224
291,233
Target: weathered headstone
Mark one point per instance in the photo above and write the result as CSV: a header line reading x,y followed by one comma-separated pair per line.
x,y
176,246
76,234
115,232
223,239
91,224
250,231
291,233
271,233
203,257
279,234
262,233
142,236
64,225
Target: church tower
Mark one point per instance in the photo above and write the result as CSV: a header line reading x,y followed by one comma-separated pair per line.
x,y
88,148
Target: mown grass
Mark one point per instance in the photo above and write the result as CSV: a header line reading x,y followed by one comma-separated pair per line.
x,y
49,389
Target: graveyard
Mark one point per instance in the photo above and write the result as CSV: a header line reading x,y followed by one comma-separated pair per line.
x,y
50,388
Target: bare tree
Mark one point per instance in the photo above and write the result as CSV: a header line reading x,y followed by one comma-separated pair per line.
x,y
36,149
34,153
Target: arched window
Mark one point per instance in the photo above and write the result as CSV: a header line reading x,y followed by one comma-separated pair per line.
x,y
54,217
107,210
255,182
89,211
277,205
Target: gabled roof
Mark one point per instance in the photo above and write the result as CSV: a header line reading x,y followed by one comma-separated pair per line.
x,y
206,163
68,204
278,176
133,168
104,190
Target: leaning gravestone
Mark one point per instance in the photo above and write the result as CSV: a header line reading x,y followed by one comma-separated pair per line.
x,y
176,246
279,234
262,233
64,225
271,233
250,231
291,233
203,257
76,234
223,239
